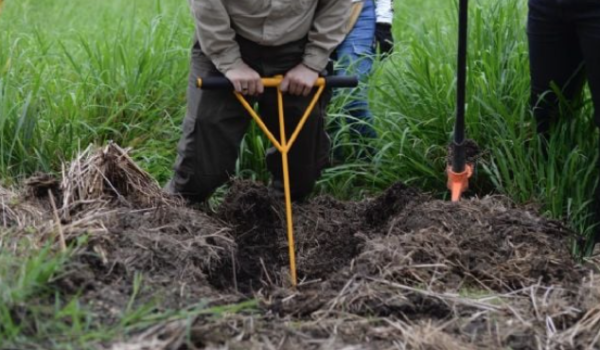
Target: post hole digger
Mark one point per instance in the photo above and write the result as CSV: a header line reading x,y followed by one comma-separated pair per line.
x,y
284,144
460,170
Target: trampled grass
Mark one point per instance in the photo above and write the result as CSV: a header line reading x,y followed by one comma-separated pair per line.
x,y
78,72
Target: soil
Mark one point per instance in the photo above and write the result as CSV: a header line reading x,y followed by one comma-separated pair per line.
x,y
325,238
400,268
472,151
171,249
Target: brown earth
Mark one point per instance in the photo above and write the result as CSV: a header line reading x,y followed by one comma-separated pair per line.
x,y
399,271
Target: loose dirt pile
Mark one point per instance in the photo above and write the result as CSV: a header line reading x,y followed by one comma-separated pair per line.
x,y
131,228
399,271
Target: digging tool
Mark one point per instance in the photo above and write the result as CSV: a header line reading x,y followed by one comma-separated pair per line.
x,y
459,171
283,145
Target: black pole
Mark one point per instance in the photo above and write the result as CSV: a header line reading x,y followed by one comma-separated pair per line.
x,y
459,161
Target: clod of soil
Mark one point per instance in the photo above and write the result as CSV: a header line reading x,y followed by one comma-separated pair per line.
x,y
472,151
390,203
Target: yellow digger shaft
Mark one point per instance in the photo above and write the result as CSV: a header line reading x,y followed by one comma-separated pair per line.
x,y
283,145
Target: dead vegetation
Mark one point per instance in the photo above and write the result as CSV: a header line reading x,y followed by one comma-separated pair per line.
x,y
131,229
400,271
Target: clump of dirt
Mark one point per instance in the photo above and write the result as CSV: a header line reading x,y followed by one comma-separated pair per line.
x,y
472,151
390,203
254,217
328,235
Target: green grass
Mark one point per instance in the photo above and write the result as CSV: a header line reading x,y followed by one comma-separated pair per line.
x,y
76,72
35,315
413,97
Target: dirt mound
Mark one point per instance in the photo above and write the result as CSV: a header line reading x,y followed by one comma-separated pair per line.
x,y
145,234
400,236
475,244
170,250
400,268
132,232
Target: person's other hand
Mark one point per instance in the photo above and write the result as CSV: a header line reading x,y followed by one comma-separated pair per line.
x,y
245,80
383,34
299,81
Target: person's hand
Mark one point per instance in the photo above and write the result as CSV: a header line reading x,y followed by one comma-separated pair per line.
x,y
299,81
245,80
383,34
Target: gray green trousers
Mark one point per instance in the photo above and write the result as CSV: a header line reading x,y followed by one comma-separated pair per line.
x,y
215,124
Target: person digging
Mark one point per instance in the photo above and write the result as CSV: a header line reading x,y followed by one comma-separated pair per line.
x,y
564,52
243,41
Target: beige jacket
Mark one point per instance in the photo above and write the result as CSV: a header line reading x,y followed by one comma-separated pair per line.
x,y
269,23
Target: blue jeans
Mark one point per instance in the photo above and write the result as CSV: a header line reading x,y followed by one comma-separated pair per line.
x,y
355,57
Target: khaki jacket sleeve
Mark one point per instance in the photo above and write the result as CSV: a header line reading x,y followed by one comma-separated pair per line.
x,y
213,30
327,32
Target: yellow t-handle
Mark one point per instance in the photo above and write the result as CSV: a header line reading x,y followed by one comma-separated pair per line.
x,y
283,145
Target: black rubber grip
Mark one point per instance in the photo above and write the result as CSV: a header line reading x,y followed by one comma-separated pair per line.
x,y
341,82
216,83
222,83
